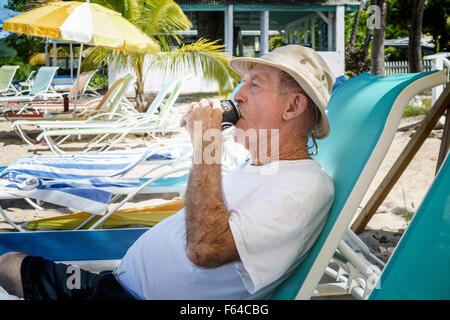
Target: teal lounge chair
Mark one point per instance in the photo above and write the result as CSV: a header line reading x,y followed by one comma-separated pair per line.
x,y
364,114
419,267
41,88
6,77
28,83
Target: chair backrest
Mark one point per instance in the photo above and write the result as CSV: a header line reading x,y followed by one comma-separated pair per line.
x,y
419,266
364,113
109,94
6,76
43,80
160,97
30,79
81,84
165,110
112,97
117,98
72,245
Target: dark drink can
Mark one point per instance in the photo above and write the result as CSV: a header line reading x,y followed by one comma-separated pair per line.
x,y
66,103
230,115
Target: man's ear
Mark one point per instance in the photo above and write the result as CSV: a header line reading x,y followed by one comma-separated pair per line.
x,y
296,106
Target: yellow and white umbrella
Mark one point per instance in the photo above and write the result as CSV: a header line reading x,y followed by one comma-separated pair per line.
x,y
83,22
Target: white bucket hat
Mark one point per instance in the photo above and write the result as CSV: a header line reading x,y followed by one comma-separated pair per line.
x,y
307,67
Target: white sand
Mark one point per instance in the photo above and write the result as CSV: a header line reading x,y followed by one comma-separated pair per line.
x,y
382,233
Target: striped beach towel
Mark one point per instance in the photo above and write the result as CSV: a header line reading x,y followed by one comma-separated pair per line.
x,y
79,194
91,195
78,166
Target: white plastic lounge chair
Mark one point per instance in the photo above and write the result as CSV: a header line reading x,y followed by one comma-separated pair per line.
x,y
41,88
418,267
28,83
6,77
102,122
114,131
38,110
105,109
81,86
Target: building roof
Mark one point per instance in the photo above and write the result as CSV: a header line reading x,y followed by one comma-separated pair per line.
x,y
282,12
268,2
426,42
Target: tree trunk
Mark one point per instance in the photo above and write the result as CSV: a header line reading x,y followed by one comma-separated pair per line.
x,y
377,61
355,24
139,86
140,98
367,40
414,47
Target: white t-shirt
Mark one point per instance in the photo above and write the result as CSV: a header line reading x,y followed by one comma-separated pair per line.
x,y
277,212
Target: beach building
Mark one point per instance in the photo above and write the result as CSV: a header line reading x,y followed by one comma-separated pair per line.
x,y
246,26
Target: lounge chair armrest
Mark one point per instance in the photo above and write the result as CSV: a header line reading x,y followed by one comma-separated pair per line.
x,y
106,115
22,92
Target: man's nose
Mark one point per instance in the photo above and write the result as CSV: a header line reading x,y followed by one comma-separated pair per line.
x,y
240,97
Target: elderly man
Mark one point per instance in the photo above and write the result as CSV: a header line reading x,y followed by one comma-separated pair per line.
x,y
239,235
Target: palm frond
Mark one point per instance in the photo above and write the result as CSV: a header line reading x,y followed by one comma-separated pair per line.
x,y
163,19
95,56
202,57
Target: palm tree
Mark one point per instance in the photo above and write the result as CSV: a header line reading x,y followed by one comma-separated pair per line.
x,y
355,24
162,20
414,48
377,53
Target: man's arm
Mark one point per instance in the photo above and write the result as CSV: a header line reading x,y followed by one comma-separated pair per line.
x,y
210,242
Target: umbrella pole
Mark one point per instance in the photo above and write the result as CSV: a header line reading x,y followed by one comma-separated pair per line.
x,y
71,61
76,81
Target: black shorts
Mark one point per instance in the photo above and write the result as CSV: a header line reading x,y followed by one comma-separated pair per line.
x,y
45,280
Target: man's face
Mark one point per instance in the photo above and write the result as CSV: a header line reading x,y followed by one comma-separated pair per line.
x,y
258,103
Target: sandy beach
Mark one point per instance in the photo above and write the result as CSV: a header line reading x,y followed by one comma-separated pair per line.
x,y
381,235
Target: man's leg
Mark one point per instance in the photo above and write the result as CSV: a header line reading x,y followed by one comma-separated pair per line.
x,y
10,278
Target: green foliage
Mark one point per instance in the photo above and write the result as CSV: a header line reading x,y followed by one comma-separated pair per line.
x,y
355,62
411,111
6,51
275,42
395,54
25,45
398,18
99,81
361,31
24,69
435,21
